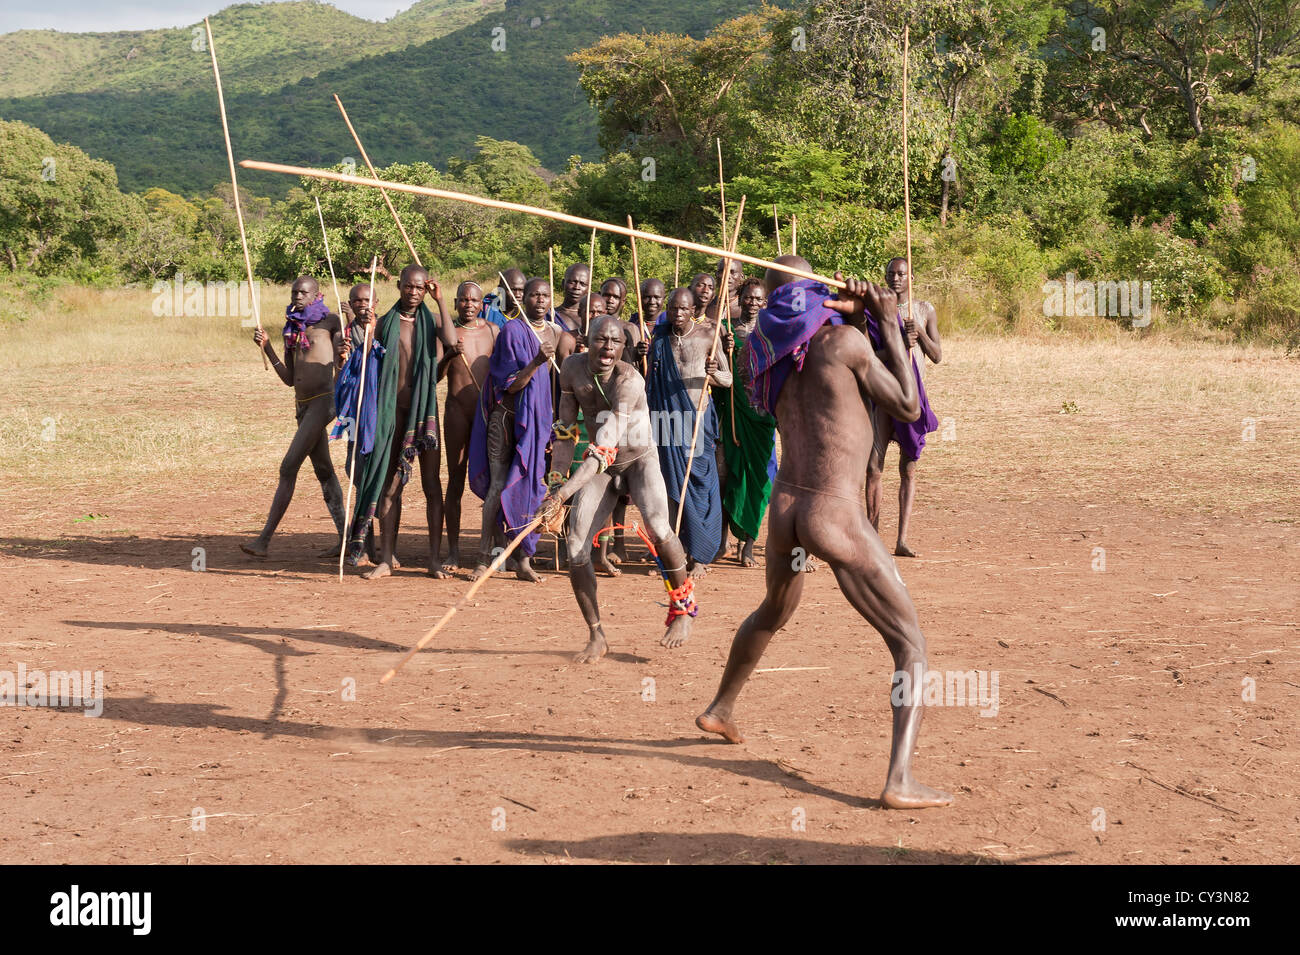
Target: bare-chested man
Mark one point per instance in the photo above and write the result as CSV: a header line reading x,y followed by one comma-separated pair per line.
x,y
735,275
680,368
507,453
820,379
653,293
750,457
611,394
407,419
703,287
577,279
464,385
614,291
312,339
920,327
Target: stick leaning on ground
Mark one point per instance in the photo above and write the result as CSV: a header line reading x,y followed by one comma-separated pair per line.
x,y
541,213
724,302
459,604
329,259
234,188
640,309
356,417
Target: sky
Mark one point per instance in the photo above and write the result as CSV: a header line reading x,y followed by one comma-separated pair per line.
x,y
95,16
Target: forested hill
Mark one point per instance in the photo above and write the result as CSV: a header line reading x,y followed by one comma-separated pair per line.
x,y
262,47
425,102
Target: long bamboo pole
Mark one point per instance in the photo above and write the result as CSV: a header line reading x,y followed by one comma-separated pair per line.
x,y
704,388
724,300
459,604
234,188
640,308
415,256
907,191
677,267
543,213
329,258
356,416
591,279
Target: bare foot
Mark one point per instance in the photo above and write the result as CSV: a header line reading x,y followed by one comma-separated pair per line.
x,y
255,549
606,563
596,647
380,570
679,631
525,572
914,795
727,729
620,553
810,565
333,552
902,550
479,571
438,572
453,561
698,570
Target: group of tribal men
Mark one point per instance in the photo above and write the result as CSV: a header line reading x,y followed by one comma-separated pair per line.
x,y
570,412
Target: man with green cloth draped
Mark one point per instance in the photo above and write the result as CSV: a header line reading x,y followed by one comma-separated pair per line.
x,y
750,450
406,425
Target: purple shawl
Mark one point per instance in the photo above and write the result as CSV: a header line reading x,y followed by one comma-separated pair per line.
x,y
296,322
515,347
795,313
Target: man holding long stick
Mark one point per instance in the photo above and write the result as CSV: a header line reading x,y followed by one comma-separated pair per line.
x,y
312,337
477,336
680,368
348,401
621,458
507,449
406,424
819,379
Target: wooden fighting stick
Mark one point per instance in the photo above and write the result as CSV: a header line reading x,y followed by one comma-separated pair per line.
x,y
234,188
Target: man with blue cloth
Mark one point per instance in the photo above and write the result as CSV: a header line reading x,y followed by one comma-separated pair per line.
x,y
680,367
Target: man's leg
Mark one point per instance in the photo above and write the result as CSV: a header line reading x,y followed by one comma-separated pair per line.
x,y
303,441
500,449
869,579
456,433
390,504
784,588
587,513
906,495
322,409
431,481
882,428
645,483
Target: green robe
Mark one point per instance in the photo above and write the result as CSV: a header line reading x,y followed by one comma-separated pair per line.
x,y
751,463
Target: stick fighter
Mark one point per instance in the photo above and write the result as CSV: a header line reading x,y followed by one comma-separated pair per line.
x,y
621,457
820,377
312,337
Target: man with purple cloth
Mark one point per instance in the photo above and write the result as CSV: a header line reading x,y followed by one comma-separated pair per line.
x,y
507,449
811,367
920,327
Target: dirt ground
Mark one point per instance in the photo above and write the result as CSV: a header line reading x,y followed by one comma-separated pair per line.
x,y
1125,731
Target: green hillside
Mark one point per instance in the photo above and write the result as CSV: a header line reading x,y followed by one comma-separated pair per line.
x,y
262,47
423,103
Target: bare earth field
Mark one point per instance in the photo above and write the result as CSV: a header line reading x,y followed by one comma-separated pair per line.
x,y
1126,729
